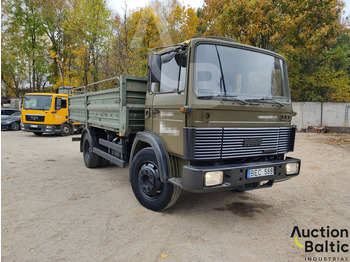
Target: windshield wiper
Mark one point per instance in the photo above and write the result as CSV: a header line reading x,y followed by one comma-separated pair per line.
x,y
265,99
233,98
225,98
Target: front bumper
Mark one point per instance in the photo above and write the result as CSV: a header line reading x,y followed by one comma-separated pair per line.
x,y
5,126
235,176
50,129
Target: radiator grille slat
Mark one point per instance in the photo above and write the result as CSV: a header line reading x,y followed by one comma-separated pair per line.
x,y
226,143
35,118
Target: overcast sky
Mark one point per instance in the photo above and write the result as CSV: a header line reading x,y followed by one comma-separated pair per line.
x,y
347,7
117,5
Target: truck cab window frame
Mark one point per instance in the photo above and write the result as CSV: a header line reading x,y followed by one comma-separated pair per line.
x,y
173,74
226,71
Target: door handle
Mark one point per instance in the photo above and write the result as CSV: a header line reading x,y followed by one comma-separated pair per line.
x,y
155,111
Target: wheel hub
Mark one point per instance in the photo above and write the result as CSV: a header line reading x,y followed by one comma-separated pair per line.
x,y
149,180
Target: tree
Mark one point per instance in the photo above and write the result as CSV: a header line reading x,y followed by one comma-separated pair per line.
x,y
305,32
312,36
87,28
54,13
159,24
254,22
144,30
13,69
182,23
24,27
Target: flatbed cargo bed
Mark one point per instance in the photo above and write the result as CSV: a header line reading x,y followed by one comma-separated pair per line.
x,y
119,109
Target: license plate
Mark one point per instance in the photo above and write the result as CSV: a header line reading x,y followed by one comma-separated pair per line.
x,y
259,172
34,126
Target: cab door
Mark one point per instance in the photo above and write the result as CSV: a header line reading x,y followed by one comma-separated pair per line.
x,y
169,96
60,112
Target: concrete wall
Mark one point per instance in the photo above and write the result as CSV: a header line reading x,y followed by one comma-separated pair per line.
x,y
16,103
328,114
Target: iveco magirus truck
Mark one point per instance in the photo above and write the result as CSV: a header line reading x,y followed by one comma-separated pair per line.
x,y
212,115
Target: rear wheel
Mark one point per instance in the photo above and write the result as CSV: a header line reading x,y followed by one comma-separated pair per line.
x,y
146,185
91,160
104,162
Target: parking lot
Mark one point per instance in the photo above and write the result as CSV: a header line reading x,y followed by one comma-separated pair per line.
x,y
55,209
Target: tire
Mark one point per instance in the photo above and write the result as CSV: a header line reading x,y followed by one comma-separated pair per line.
x,y
91,160
146,185
38,133
15,126
104,162
66,130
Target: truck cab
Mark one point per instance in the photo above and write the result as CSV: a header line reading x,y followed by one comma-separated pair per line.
x,y
45,113
228,104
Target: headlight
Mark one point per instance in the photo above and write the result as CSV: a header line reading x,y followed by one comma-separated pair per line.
x,y
213,178
292,168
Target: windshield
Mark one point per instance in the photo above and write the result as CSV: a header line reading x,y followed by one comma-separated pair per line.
x,y
37,102
224,72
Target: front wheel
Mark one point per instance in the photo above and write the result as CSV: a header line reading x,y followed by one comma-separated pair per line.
x,y
15,126
146,185
66,130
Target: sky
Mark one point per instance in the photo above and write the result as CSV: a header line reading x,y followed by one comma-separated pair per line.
x,y
118,5
347,7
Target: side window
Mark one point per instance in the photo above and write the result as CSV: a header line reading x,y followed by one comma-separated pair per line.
x,y
64,103
172,74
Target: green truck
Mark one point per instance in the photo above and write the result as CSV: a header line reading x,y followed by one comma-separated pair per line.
x,y
212,115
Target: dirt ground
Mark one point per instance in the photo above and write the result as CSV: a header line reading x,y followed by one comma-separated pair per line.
x,y
55,209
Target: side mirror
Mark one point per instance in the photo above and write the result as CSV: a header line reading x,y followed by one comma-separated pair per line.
x,y
154,68
58,105
183,59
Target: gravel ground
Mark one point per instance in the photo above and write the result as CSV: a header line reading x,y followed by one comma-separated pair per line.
x,y
55,209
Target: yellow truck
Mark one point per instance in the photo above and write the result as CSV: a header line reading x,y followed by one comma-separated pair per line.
x,y
47,113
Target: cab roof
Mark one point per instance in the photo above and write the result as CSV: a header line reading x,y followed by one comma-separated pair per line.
x,y
46,94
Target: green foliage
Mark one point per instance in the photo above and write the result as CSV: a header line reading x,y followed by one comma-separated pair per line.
x,y
76,42
307,33
24,33
87,28
151,27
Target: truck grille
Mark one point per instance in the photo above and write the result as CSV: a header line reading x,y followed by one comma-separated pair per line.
x,y
228,143
35,118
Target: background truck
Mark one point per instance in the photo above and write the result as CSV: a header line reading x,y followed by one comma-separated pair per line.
x,y
47,113
213,115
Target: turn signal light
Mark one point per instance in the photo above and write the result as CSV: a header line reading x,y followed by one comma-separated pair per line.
x,y
186,109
